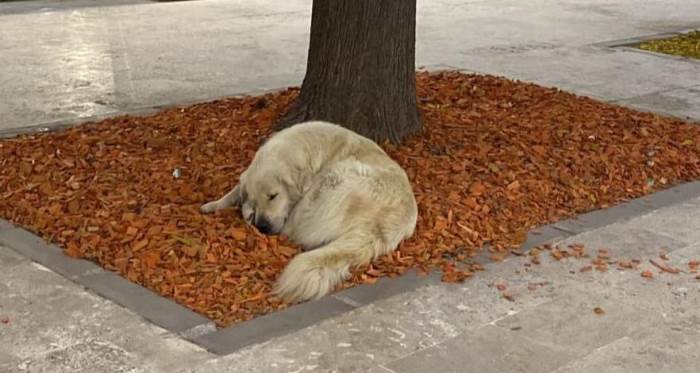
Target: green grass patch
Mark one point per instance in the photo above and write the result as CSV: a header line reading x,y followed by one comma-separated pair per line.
x,y
686,45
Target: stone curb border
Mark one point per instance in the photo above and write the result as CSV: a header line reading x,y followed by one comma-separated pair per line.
x,y
629,43
202,331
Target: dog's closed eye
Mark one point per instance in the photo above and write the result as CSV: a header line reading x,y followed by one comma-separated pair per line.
x,y
272,196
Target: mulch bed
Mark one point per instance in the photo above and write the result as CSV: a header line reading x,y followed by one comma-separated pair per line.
x,y
496,158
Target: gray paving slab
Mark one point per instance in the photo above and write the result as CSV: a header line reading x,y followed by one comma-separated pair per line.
x,y
26,333
602,217
4,224
675,295
598,73
362,295
491,349
673,351
625,240
10,258
46,312
378,333
91,61
671,196
681,102
543,235
16,7
111,59
570,323
159,310
35,248
89,356
263,328
680,221
8,363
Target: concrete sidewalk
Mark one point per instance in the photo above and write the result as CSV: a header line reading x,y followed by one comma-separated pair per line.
x,y
63,64
82,61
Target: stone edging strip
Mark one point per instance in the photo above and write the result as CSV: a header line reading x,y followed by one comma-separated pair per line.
x,y
202,331
628,44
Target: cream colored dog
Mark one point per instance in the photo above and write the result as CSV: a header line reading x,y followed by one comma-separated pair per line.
x,y
330,190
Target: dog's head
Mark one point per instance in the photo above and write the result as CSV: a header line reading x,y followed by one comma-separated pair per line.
x,y
267,194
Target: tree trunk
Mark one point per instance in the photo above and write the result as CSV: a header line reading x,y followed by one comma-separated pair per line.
x,y
360,70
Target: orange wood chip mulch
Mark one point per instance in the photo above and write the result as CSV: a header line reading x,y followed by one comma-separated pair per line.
x,y
495,159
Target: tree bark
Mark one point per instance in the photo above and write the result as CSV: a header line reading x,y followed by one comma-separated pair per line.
x,y
360,70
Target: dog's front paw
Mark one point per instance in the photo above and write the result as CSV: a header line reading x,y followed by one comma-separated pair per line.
x,y
208,208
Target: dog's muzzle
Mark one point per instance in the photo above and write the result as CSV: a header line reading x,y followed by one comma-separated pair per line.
x,y
263,226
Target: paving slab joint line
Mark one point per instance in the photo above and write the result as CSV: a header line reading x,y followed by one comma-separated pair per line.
x,y
566,232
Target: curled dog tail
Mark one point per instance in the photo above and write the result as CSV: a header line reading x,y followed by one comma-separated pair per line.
x,y
315,273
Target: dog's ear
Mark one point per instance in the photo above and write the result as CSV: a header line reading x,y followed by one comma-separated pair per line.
x,y
295,182
237,195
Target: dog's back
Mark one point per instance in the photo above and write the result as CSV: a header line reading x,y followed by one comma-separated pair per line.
x,y
359,205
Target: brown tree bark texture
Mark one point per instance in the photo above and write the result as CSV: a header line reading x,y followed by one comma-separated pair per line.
x,y
361,68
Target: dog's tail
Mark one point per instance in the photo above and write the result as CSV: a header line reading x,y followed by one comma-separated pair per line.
x,y
315,273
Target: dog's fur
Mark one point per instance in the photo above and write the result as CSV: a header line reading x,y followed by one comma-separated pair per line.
x,y
328,189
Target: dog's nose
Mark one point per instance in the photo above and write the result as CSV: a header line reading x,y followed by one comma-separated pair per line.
x,y
263,225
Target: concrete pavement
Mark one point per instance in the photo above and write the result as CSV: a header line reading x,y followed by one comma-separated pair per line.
x,y
76,62
71,63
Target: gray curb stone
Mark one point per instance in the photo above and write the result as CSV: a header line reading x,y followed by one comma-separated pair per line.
x,y
42,252
260,329
5,225
671,196
362,295
542,235
600,218
149,305
159,310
